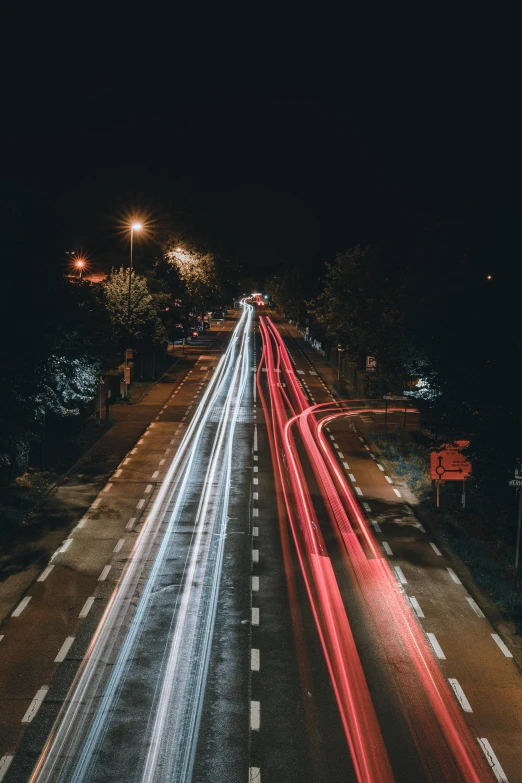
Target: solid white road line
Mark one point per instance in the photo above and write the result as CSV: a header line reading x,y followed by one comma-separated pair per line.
x,y
119,545
492,760
380,467
64,649
366,507
103,576
255,584
436,549
397,493
255,715
5,763
459,693
86,607
496,638
376,525
387,548
255,660
400,575
35,704
21,606
454,576
358,490
476,608
43,576
255,615
416,606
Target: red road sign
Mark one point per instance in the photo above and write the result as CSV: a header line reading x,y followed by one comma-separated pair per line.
x,y
448,463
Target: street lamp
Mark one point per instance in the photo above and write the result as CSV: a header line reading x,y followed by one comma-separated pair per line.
x,y
80,264
134,227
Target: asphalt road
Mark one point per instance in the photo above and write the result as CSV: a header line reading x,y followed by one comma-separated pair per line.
x,y
176,635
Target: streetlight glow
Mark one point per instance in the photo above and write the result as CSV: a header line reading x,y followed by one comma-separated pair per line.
x,y
136,226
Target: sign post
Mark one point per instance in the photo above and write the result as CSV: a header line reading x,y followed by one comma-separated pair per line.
x,y
394,397
340,350
449,464
517,482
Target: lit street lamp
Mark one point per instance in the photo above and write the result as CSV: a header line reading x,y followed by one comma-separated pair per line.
x,y
80,264
134,227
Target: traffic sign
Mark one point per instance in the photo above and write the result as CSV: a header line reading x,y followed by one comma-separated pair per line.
x,y
515,483
371,363
448,463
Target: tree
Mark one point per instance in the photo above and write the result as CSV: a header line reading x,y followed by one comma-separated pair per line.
x,y
142,318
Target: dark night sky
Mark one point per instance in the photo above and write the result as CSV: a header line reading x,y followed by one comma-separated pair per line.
x,y
290,154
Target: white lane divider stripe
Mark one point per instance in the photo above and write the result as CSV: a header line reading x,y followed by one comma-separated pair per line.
x,y
81,524
255,555
358,490
255,531
400,575
130,523
366,507
43,576
416,606
476,608
435,549
346,466
373,456
255,615
454,576
496,638
5,763
376,526
380,467
387,548
107,487
397,492
459,693
361,439
155,474
255,584
35,704
388,479
336,445
255,512
141,503
86,608
341,455
21,606
255,660
117,473
103,576
492,760
148,489
352,478
436,646
119,545
255,715
64,649
65,546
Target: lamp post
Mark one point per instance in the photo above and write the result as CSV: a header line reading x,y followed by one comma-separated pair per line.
x,y
340,350
80,264
134,227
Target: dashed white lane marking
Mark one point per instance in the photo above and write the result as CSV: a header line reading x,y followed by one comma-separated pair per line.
x,y
380,467
35,704
130,523
21,606
134,451
119,545
255,495
436,549
162,462
376,526
496,638
65,546
256,469
45,573
476,608
81,524
387,548
141,503
400,575
96,503
388,479
103,576
341,455
5,763
255,715
256,481
118,472
64,649
86,608
255,531
459,693
126,461
361,439
300,372
352,478
255,615
332,437
140,441
155,474
148,488
397,493
336,445
366,507
346,466
107,487
312,372
255,555
373,456
454,576
436,646
367,448
492,760
255,584
327,429
359,491
255,437
255,660
416,606
256,457
255,512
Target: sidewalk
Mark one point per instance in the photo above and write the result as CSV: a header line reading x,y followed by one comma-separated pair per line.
x,y
50,522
